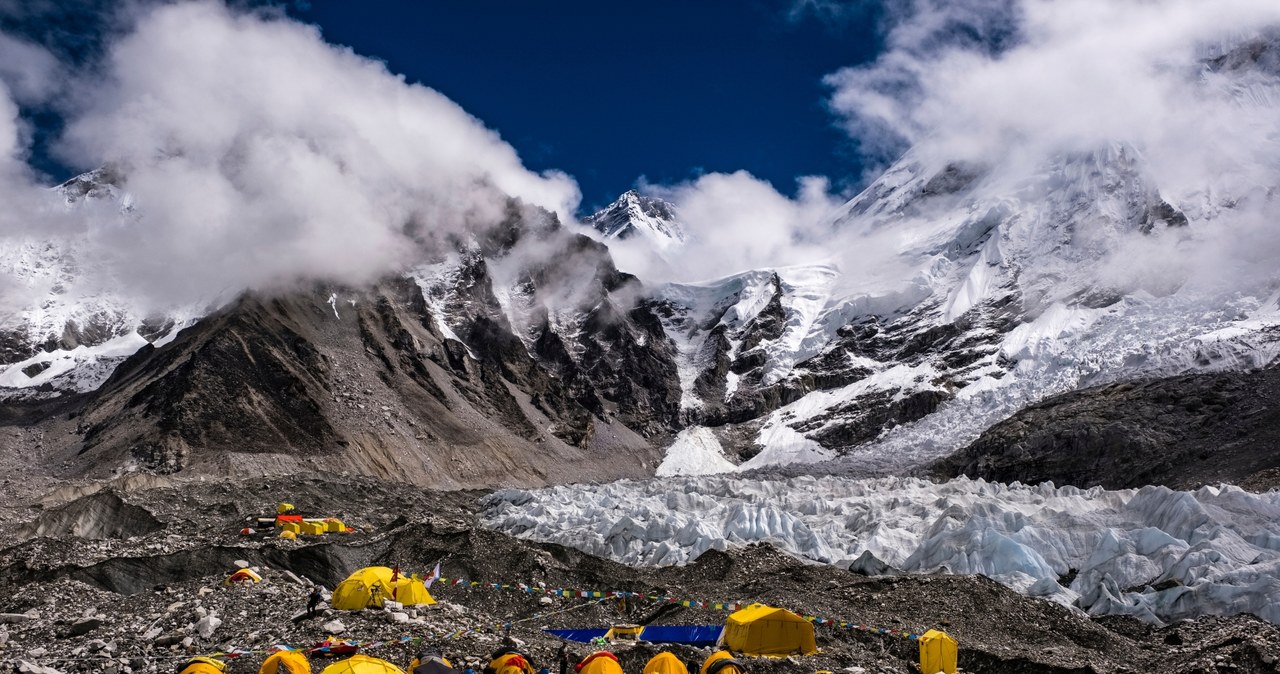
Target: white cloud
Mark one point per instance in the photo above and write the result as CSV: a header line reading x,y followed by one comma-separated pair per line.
x,y
259,154
1013,86
30,72
1074,77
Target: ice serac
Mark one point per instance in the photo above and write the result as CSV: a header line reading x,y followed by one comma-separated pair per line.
x,y
1153,553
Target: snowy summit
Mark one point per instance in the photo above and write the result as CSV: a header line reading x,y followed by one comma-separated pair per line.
x,y
636,216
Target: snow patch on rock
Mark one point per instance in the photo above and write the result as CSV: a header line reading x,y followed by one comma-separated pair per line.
x,y
695,451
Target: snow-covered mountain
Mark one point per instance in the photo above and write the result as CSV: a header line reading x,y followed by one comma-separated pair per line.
x,y
1011,286
634,216
994,289
1012,299
66,326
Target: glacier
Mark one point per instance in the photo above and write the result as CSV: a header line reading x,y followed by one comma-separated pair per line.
x,y
1153,553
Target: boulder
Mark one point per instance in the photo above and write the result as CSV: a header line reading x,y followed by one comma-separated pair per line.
x,y
84,626
207,626
334,627
868,564
170,639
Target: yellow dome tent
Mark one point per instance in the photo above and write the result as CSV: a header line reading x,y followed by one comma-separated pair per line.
x,y
242,576
370,586
510,663
937,653
286,662
721,662
600,662
665,663
362,664
204,665
765,630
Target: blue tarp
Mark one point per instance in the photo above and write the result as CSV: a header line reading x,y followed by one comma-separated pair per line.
x,y
583,636
693,635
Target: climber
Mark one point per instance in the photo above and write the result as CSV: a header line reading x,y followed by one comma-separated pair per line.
x,y
722,662
313,601
509,661
430,661
562,656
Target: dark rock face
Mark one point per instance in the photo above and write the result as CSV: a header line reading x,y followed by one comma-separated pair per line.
x,y
244,379
1182,432
1261,54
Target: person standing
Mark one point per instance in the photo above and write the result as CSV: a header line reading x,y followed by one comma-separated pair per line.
x,y
313,601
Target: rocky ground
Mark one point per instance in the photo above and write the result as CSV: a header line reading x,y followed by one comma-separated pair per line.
x,y
125,578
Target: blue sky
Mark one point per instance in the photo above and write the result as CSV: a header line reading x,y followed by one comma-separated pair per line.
x,y
611,92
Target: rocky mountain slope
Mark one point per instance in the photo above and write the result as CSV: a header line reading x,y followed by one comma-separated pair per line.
x,y
517,355
140,590
1180,431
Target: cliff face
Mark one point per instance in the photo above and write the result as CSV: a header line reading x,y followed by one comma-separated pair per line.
x,y
1183,432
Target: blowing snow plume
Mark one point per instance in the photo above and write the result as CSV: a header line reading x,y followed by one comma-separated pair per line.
x,y
254,154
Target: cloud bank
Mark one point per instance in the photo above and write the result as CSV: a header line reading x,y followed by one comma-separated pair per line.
x,y
1014,87
259,154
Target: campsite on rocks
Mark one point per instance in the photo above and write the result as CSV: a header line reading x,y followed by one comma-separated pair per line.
x,y
781,337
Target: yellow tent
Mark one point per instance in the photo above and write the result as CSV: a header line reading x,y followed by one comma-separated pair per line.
x,y
765,630
937,653
242,576
204,665
624,632
600,662
665,663
362,664
510,663
369,586
721,662
292,662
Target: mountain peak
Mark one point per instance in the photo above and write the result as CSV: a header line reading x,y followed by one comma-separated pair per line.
x,y
634,214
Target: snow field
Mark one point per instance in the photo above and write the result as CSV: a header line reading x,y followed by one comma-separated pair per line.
x,y
1212,551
